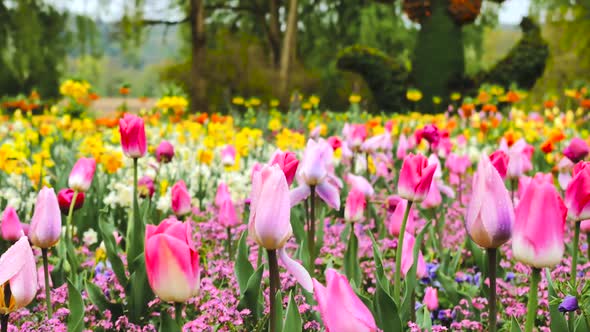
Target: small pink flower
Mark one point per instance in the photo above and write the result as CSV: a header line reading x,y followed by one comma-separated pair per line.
x,y
228,155
146,187
431,298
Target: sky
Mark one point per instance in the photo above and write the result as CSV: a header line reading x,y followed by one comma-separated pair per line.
x,y
511,11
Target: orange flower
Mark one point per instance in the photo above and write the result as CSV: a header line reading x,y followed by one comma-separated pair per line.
x,y
495,122
202,118
585,103
549,103
483,126
547,147
510,137
483,97
556,135
107,122
373,123
124,90
512,97
489,108
93,96
467,109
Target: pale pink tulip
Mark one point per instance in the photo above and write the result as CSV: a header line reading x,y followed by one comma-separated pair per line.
x,y
431,298
17,268
46,222
81,175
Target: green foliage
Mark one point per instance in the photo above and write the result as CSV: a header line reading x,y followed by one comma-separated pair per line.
x,y
386,77
438,65
525,62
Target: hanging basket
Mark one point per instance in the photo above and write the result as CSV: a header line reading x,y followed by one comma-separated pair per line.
x,y
417,10
464,11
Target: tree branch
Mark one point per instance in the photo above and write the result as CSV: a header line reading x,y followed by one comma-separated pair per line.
x,y
252,9
163,22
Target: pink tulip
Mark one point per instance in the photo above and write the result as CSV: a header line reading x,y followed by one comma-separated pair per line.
x,y
577,194
397,207
585,226
577,150
430,133
17,268
65,197
376,143
359,183
402,147
340,307
145,187
288,162
431,298
500,161
222,194
564,169
355,206
228,155
181,199
11,228
46,222
539,225
408,257
164,152
458,164
335,142
227,216
270,213
519,158
489,221
172,261
354,134
433,199
133,140
82,174
415,178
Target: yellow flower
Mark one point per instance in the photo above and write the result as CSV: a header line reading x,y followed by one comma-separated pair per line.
x,y
237,101
354,99
100,255
111,161
414,95
163,187
314,100
455,96
255,101
274,103
437,100
306,106
205,157
290,140
274,124
175,103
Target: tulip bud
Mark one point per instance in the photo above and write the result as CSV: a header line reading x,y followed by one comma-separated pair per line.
x,y
431,298
489,221
397,207
11,228
355,206
577,150
227,214
340,307
577,194
415,178
539,226
133,140
270,208
17,266
65,197
228,155
288,162
164,152
46,222
408,257
181,199
81,175
172,261
222,194
500,161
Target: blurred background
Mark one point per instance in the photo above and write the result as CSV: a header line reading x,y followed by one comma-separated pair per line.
x,y
214,50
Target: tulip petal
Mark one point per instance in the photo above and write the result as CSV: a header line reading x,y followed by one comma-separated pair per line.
x,y
329,194
13,259
297,270
299,194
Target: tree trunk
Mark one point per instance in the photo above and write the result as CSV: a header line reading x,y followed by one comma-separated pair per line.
x,y
274,33
289,46
198,84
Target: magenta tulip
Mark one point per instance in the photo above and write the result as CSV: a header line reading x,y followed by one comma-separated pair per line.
x,y
457,164
415,178
577,150
222,194
181,199
577,194
354,134
65,197
17,269
227,216
360,183
288,162
172,261
397,207
500,161
133,139
11,228
340,307
165,152
82,174
431,298
355,206
146,187
539,226
46,222
490,214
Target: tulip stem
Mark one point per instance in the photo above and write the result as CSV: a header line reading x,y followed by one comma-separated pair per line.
x,y
367,173
311,230
69,226
513,185
4,322
398,255
492,261
273,267
47,288
4,317
178,314
532,305
575,249
229,242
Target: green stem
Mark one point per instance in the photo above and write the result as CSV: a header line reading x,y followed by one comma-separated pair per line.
x,y
492,262
398,255
273,267
311,230
367,174
533,302
178,314
229,242
47,287
513,185
69,226
575,250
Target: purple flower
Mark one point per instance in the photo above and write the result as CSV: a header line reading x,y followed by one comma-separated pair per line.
x,y
569,303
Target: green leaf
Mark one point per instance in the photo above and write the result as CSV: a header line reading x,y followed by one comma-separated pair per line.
x,y
98,298
558,322
243,267
424,319
386,313
249,299
516,327
278,311
167,324
76,307
580,325
379,271
138,291
293,318
410,280
352,268
106,230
